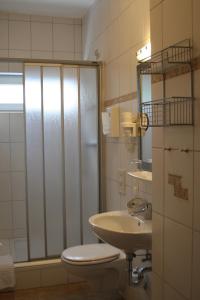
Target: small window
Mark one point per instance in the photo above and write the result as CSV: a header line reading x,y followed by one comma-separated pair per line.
x,y
11,91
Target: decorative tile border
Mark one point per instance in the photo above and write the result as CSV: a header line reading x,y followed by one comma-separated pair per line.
x,y
174,72
178,70
179,191
121,99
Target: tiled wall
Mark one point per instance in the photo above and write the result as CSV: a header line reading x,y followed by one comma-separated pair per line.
x,y
117,29
42,274
12,185
176,230
25,36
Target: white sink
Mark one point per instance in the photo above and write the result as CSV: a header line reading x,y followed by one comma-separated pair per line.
x,y
143,175
123,231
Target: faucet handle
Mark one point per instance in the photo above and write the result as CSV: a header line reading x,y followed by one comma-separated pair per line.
x,y
136,205
141,206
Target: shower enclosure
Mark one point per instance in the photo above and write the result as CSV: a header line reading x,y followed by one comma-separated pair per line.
x,y
61,154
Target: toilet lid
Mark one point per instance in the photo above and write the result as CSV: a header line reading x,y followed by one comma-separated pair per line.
x,y
90,254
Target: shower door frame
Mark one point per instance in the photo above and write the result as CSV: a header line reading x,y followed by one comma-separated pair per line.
x,y
101,169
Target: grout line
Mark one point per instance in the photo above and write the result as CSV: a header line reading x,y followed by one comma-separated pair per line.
x,y
172,287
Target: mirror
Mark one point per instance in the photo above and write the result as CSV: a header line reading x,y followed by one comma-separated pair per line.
x,y
145,142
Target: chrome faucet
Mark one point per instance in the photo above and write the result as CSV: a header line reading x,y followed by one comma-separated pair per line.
x,y
139,206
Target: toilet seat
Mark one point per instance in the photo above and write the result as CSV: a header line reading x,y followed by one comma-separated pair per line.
x,y
90,254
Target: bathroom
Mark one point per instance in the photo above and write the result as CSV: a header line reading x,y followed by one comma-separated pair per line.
x,y
102,38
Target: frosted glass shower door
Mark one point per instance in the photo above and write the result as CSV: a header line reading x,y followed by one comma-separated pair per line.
x,y
61,112
89,149
72,155
53,159
44,161
34,162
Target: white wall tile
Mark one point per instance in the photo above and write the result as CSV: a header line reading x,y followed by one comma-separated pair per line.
x,y
114,9
16,67
5,187
17,157
125,86
17,127
4,247
124,4
114,201
78,38
196,110
63,37
42,54
19,35
19,233
157,287
4,127
18,185
154,3
180,164
112,161
113,40
196,266
5,215
112,80
107,192
196,214
4,157
69,21
128,153
19,53
51,276
156,28
4,34
3,53
124,198
158,179
172,14
126,30
19,17
4,15
63,55
41,19
6,233
178,256
157,243
41,36
78,56
170,293
27,279
196,24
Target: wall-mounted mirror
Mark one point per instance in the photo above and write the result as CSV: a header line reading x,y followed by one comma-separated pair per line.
x,y
145,141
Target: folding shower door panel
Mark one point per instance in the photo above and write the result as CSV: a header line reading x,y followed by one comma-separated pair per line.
x,y
53,159
44,160
34,162
89,149
61,108
72,156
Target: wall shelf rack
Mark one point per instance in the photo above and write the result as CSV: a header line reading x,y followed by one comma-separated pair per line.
x,y
174,111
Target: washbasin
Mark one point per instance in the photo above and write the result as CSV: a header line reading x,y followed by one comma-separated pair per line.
x,y
122,230
142,175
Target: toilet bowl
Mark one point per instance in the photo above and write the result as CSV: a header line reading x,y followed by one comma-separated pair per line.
x,y
101,265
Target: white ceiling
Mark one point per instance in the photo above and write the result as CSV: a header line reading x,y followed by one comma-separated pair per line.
x,y
57,8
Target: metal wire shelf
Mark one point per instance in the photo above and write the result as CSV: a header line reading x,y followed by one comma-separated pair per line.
x,y
172,111
161,62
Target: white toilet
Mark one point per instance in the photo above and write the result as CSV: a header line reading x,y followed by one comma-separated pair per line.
x,y
103,266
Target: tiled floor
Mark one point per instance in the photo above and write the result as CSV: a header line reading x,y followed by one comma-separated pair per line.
x,y
64,292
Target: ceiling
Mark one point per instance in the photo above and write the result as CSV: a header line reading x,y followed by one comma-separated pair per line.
x,y
57,8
